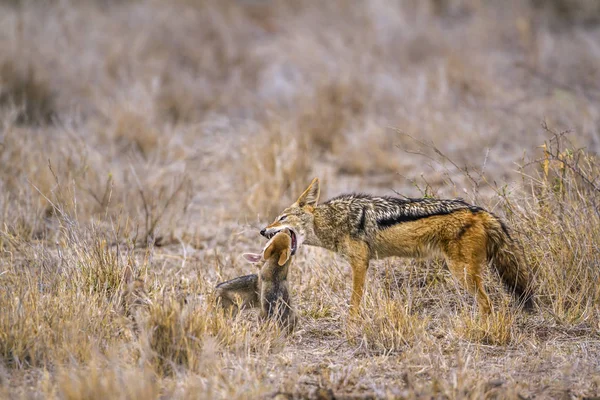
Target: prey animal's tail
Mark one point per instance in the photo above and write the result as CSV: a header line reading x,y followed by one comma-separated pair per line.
x,y
507,257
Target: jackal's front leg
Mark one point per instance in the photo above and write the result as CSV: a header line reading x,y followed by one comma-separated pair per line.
x,y
358,256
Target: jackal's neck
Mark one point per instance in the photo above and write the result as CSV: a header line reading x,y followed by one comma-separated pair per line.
x,y
327,228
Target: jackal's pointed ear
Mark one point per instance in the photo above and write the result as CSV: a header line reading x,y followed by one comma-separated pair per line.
x,y
284,257
251,257
310,197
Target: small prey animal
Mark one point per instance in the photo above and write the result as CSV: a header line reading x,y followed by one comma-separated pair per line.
x,y
269,288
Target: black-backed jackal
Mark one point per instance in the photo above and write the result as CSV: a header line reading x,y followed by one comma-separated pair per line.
x,y
362,227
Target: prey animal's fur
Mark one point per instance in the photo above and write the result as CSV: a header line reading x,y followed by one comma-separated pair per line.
x,y
268,289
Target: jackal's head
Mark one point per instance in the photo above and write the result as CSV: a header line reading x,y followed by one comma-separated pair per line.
x,y
298,219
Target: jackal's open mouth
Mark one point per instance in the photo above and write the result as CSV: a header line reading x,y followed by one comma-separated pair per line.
x,y
294,241
292,234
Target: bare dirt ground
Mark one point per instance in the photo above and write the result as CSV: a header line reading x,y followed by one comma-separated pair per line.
x,y
143,144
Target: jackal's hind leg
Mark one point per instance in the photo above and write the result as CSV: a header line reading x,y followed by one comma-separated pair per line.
x,y
469,276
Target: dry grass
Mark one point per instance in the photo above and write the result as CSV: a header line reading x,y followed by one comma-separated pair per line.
x,y
32,95
276,163
141,154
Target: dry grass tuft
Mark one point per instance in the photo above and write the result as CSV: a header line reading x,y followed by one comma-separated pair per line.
x,y
499,329
564,189
175,337
47,323
370,153
386,326
275,167
134,132
105,380
327,116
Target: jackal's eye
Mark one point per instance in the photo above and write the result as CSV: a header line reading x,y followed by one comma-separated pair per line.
x,y
282,218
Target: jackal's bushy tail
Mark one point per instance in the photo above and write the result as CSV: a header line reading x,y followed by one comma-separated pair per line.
x,y
507,257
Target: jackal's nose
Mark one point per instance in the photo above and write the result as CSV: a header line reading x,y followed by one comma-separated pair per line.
x,y
263,232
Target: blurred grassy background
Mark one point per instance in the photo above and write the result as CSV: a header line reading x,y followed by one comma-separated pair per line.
x,y
143,143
